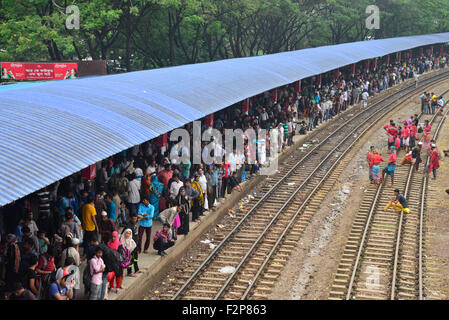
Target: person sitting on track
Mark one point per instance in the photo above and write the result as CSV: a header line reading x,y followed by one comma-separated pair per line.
x,y
398,202
407,159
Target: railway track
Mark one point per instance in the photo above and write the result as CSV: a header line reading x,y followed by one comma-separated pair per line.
x,y
383,254
269,228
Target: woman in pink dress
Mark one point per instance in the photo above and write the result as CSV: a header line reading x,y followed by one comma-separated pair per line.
x,y
426,134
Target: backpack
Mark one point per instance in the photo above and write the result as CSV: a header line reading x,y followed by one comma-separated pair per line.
x,y
87,277
112,259
420,129
65,230
126,254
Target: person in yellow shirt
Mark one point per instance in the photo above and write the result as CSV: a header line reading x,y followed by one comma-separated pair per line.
x,y
433,102
90,226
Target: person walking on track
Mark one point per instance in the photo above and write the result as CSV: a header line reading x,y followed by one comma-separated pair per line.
x,y
434,162
416,155
391,166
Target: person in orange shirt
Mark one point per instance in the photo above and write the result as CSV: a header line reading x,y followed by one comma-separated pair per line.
x,y
370,167
397,143
375,161
405,135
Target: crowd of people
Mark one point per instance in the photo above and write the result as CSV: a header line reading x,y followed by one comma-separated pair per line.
x,y
107,221
411,138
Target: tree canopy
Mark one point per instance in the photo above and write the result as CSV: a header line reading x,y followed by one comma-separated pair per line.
x,y
143,34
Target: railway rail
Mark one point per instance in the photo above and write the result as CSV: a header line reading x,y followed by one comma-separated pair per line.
x,y
270,227
383,253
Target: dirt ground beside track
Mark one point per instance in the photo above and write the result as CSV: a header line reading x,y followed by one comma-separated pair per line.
x,y
436,239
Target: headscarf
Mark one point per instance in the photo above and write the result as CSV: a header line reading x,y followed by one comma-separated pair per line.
x,y
114,244
180,200
139,173
128,243
156,186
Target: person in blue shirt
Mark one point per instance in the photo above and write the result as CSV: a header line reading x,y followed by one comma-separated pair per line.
x,y
61,204
145,214
215,175
73,203
60,289
111,208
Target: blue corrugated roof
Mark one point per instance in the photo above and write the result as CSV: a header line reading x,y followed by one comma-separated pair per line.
x,y
49,130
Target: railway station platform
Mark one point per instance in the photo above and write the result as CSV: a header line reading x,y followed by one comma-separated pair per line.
x,y
154,265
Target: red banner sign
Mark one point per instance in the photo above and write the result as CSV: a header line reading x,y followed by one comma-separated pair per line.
x,y
90,172
38,71
209,120
161,141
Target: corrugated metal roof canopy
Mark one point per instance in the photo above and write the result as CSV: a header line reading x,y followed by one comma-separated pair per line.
x,y
51,130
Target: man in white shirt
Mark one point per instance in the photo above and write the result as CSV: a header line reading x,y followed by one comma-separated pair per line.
x,y
264,115
203,183
233,160
274,138
175,186
205,154
324,109
134,191
169,215
365,96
